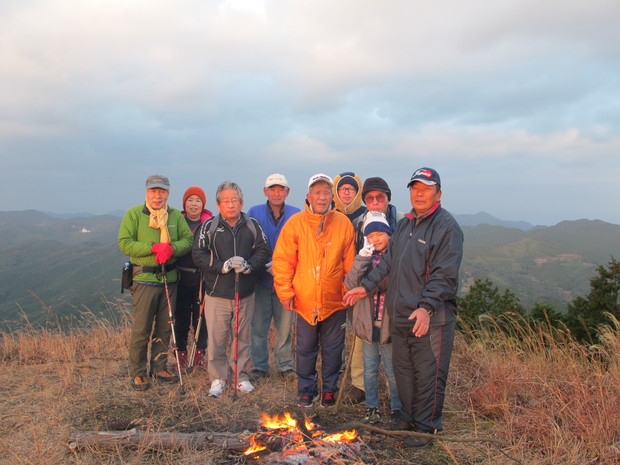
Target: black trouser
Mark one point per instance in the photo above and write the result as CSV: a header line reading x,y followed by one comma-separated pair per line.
x,y
187,311
421,367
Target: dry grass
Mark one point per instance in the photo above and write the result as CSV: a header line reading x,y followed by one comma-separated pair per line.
x,y
554,401
545,393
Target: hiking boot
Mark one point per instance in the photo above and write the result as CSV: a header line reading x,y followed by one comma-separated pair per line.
x,y
288,374
372,416
257,374
199,360
416,442
305,402
245,386
356,395
166,377
140,383
217,388
397,423
328,399
183,359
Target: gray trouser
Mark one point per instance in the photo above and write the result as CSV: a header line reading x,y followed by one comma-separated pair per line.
x,y
421,367
150,324
220,318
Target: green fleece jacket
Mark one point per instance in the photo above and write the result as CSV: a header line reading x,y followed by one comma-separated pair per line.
x,y
135,239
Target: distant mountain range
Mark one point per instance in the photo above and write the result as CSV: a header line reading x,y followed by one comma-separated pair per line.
x,y
54,267
486,218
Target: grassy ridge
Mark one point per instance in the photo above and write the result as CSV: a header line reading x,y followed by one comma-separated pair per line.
x,y
553,401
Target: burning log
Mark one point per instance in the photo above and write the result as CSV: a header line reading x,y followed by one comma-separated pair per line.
x,y
290,441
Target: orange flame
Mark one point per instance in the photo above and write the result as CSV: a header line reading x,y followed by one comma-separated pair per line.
x,y
277,422
344,436
255,447
286,421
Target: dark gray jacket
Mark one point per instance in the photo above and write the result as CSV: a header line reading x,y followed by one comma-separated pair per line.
x,y
210,253
363,310
423,262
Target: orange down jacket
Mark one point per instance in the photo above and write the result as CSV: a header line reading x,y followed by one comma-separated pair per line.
x,y
312,256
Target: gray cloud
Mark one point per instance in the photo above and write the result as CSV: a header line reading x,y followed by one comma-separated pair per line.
x,y
513,102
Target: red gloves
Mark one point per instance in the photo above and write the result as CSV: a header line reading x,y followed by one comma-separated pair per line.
x,y
162,251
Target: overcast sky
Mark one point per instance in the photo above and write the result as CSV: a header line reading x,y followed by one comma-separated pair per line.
x,y
515,102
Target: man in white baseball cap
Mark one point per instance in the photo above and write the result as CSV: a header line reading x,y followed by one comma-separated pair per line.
x,y
271,215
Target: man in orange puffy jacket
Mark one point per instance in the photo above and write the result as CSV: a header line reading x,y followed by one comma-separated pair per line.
x,y
314,252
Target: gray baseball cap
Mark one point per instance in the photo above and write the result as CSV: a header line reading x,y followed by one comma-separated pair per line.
x,y
157,181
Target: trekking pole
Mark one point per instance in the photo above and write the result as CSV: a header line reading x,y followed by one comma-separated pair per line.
x,y
175,349
192,352
236,342
347,371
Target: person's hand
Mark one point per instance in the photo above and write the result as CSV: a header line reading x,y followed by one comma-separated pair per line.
x,y
289,304
227,266
353,296
162,251
269,268
247,269
239,264
368,248
422,322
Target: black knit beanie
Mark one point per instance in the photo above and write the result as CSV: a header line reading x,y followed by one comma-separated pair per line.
x,y
376,184
347,178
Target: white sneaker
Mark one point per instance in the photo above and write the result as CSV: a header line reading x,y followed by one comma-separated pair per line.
x,y
245,386
217,388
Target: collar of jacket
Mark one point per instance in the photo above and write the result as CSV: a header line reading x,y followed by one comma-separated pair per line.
x,y
412,215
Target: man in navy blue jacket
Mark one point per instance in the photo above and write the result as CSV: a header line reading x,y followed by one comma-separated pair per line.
x,y
271,215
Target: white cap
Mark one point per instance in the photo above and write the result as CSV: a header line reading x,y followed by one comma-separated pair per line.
x,y
276,180
320,177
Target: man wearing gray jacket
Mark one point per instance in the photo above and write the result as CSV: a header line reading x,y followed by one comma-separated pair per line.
x,y
423,261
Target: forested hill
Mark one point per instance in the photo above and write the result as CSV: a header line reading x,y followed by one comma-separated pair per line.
x,y
545,264
54,267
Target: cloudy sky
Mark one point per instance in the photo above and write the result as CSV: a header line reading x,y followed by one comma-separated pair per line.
x,y
515,102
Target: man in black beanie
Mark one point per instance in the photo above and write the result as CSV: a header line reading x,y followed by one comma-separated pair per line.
x,y
376,194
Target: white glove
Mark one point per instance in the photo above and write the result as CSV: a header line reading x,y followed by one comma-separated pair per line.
x,y
247,269
368,248
269,268
227,266
239,264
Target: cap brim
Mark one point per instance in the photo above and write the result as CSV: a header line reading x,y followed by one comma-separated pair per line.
x,y
158,186
327,181
423,181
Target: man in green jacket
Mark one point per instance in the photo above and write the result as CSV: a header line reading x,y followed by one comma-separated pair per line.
x,y
153,235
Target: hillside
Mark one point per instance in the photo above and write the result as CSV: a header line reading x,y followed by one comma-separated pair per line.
x,y
54,268
543,265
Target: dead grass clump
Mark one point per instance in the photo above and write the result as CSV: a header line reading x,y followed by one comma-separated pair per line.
x,y
89,337
545,391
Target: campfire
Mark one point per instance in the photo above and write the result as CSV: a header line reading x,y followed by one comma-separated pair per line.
x,y
288,440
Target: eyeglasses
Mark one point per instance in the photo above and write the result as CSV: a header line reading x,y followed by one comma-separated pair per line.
x,y
230,201
378,198
347,189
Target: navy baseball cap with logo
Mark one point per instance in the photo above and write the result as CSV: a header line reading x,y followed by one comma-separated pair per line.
x,y
428,176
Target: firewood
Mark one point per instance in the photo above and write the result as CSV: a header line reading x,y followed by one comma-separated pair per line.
x,y
157,440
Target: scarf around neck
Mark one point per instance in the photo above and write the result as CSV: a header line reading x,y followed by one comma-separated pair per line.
x,y
159,220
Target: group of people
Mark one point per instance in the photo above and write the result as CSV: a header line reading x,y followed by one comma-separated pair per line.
x,y
349,252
